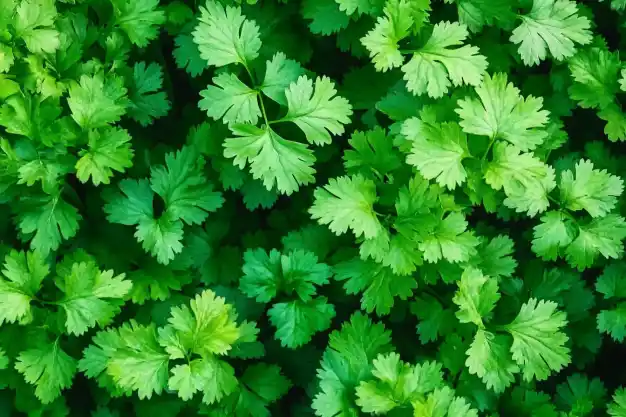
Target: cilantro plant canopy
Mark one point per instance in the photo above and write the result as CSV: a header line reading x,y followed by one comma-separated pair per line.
x,y
331,208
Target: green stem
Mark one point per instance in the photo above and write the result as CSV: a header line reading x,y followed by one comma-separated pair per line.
x,y
491,142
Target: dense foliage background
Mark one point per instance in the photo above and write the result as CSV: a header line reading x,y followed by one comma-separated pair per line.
x,y
327,207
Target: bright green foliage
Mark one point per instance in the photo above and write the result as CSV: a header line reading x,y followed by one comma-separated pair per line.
x,y
49,368
551,26
88,293
347,203
330,208
186,193
296,275
502,113
23,274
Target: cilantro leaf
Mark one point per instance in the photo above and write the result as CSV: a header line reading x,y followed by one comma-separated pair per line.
x,y
382,41
450,240
187,55
494,258
47,367
279,163
350,7
280,73
538,339
34,23
618,407
595,191
434,67
380,286
224,36
231,100
476,297
434,319
89,296
267,275
346,362
139,19
23,273
437,151
97,101
316,110
501,112
442,402
580,394
296,321
207,328
50,218
396,384
146,101
525,179
479,13
325,16
184,188
602,236
595,73
488,358
372,154
551,25
347,203
108,150
552,235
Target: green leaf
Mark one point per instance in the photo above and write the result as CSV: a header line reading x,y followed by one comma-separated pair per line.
x,y
602,236
538,340
595,73
146,101
182,184
108,150
224,36
139,19
325,16
50,218
280,72
382,41
435,67
379,285
267,275
479,13
434,320
495,258
97,101
551,25
89,296
476,297
372,154
34,23
231,100
525,179
593,190
618,407
279,163
442,402
396,384
346,362
23,273
187,55
208,328
296,321
488,358
437,151
501,112
316,110
350,7
47,367
450,240
132,357
552,235
347,203
581,395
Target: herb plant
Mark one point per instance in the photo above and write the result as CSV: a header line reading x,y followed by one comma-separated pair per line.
x,y
332,208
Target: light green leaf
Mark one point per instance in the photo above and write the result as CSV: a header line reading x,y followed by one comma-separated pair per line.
x,y
602,236
476,297
231,100
435,67
224,36
316,110
551,25
108,150
488,357
279,163
296,322
450,240
280,72
23,274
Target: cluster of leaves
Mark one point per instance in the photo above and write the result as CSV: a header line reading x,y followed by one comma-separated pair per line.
x,y
331,208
